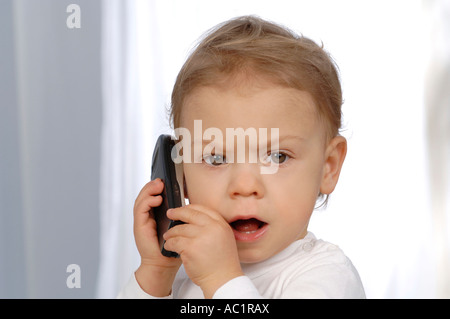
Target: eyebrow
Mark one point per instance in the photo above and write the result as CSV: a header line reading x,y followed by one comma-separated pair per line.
x,y
286,139
204,142
291,137
281,138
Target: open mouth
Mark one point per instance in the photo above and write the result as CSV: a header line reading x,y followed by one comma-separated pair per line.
x,y
248,229
247,225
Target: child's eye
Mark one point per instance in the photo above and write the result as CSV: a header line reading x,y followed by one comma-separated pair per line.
x,y
215,160
277,157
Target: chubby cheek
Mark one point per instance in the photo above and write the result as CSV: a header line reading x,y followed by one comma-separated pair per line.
x,y
297,187
191,188
294,213
294,222
200,189
296,199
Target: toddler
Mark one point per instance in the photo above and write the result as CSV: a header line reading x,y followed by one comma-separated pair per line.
x,y
245,232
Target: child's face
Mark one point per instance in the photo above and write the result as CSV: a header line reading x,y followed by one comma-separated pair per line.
x,y
269,211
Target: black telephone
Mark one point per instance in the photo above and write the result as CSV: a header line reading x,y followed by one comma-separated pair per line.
x,y
164,167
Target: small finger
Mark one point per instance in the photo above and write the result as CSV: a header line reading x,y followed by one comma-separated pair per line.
x,y
188,215
142,209
182,230
176,244
151,189
213,214
154,187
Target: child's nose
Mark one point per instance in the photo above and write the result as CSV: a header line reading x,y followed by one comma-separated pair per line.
x,y
245,180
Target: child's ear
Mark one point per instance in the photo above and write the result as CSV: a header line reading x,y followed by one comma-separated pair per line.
x,y
334,158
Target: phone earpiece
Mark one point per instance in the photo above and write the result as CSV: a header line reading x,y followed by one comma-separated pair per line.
x,y
185,188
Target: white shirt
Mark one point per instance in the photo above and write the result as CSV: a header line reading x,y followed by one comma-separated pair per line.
x,y
307,268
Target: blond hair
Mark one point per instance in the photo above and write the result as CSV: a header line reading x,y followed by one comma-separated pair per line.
x,y
250,45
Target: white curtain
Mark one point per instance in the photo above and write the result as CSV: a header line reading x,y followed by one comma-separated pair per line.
x,y
390,211
133,117
437,102
122,162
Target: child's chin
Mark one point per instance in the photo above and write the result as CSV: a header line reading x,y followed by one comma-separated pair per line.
x,y
251,256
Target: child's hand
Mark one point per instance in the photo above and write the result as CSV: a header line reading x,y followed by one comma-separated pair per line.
x,y
206,246
156,273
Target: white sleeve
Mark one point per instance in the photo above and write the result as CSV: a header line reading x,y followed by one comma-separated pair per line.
x,y
333,281
238,288
132,290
